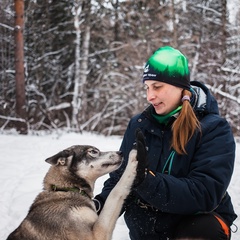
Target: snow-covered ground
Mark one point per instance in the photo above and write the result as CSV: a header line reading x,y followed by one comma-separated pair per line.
x,y
23,168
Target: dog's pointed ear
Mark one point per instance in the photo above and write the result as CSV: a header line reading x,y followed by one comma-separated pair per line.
x,y
61,158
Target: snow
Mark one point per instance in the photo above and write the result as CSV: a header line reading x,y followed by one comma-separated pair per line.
x,y
23,168
232,9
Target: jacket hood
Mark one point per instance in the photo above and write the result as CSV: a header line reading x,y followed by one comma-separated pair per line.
x,y
204,102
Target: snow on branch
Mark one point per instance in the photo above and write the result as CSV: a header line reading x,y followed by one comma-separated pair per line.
x,y
224,94
60,106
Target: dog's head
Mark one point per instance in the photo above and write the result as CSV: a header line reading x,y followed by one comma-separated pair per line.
x,y
86,162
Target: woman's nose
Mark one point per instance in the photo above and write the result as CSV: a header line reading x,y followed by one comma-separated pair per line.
x,y
150,95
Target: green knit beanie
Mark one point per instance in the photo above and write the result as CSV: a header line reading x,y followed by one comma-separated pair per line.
x,y
168,65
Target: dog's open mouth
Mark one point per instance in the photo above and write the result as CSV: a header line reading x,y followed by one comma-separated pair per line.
x,y
107,164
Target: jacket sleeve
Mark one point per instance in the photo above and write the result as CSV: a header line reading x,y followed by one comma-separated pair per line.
x,y
210,173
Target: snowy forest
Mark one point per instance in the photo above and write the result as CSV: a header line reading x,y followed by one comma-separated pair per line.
x,y
83,59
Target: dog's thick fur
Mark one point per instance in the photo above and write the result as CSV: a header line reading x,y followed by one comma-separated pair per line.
x,y
65,210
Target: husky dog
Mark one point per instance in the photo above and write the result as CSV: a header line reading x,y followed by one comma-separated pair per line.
x,y
65,209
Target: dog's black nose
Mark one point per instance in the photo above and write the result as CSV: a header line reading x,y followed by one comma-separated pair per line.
x,y
120,153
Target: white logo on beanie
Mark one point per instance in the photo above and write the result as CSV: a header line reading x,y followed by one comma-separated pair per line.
x,y
146,69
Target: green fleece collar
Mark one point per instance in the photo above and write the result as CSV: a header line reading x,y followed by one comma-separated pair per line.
x,y
163,119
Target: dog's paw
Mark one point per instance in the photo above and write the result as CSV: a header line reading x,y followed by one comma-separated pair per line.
x,y
130,171
132,162
141,157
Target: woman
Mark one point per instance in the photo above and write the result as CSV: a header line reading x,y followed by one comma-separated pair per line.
x,y
191,153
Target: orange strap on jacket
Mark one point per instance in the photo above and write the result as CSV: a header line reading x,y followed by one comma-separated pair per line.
x,y
224,226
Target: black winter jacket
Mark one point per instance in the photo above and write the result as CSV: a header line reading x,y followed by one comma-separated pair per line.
x,y
183,184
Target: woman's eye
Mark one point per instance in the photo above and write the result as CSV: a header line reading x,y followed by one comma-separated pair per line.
x,y
156,87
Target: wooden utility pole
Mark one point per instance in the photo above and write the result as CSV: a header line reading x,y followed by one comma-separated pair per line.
x,y
19,67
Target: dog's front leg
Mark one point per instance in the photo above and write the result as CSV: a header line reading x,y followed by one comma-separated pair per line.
x,y
106,222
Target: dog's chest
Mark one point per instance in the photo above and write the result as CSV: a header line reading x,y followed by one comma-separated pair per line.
x,y
84,215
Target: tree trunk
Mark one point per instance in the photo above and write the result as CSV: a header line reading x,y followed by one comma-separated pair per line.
x,y
84,73
19,67
174,41
224,30
76,102
81,65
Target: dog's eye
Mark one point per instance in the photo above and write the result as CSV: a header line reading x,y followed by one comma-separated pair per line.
x,y
93,152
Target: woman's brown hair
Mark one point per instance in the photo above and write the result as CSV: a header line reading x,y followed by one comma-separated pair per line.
x,y
184,126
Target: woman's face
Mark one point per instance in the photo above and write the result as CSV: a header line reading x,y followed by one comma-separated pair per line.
x,y
164,97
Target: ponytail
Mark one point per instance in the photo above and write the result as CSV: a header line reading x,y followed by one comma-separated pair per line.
x,y
185,125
